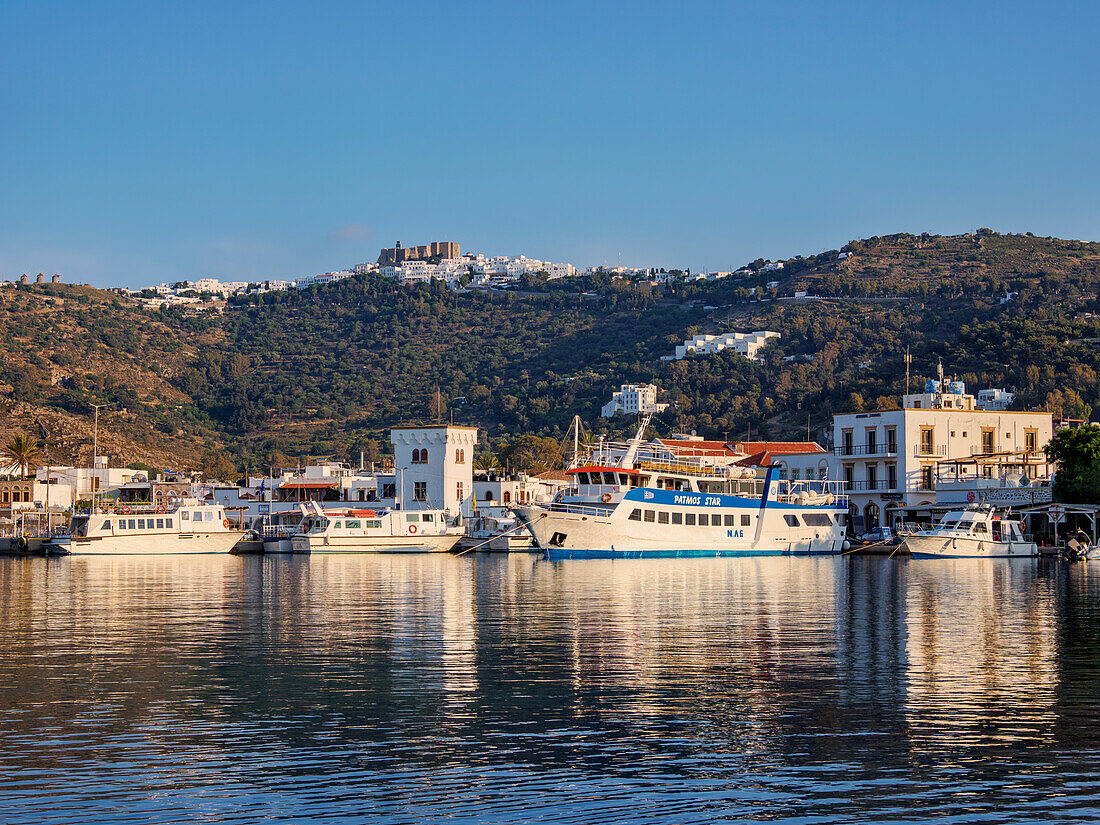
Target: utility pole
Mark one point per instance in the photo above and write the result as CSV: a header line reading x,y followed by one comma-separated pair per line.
x,y
95,451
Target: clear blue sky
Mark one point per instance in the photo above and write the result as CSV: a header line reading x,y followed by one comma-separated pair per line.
x,y
144,142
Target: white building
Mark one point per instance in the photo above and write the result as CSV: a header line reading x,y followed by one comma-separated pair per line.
x,y
747,344
434,466
501,490
560,271
893,462
995,399
83,481
633,399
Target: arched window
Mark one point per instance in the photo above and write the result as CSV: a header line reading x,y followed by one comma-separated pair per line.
x,y
424,456
460,456
507,497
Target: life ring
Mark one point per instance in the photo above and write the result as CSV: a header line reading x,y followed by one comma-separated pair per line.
x,y
125,510
606,497
412,528
21,544
162,509
225,523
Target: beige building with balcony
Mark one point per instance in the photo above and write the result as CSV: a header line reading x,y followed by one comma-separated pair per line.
x,y
892,461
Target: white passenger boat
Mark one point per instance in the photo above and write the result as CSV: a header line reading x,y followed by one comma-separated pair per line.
x,y
976,532
640,501
184,526
376,531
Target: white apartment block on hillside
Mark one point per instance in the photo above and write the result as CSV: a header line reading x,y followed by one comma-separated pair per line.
x,y
633,399
747,344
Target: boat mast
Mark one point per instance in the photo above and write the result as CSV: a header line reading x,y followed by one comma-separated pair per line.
x,y
628,459
576,441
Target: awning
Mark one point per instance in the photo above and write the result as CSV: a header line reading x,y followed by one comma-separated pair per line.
x,y
309,485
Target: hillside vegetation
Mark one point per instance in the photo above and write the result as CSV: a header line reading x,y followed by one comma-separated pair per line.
x,y
326,371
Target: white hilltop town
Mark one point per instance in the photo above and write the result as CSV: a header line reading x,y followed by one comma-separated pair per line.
x,y
441,261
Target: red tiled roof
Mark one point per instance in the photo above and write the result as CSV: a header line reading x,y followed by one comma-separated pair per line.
x,y
725,448
777,447
695,447
552,475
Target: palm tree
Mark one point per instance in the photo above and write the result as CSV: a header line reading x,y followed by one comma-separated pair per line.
x,y
22,451
485,462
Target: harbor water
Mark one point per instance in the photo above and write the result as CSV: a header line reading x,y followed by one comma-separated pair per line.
x,y
507,688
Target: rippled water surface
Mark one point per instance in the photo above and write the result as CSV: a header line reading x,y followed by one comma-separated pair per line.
x,y
511,689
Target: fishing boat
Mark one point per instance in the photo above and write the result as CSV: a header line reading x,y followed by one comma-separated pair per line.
x,y
975,532
495,529
643,501
376,531
181,526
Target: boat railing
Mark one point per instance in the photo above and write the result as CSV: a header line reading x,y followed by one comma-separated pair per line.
x,y
820,492
580,509
278,531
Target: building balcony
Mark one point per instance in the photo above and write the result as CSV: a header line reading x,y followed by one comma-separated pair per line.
x,y
870,486
866,451
937,451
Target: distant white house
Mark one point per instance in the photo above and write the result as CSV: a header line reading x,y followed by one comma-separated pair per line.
x,y
633,399
747,344
995,399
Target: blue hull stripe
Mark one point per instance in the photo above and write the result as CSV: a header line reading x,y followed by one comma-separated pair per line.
x,y
561,554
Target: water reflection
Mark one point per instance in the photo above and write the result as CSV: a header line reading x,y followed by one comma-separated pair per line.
x,y
413,688
980,647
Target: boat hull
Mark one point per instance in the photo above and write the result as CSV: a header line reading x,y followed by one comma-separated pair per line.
x,y
277,546
375,544
154,544
944,547
609,535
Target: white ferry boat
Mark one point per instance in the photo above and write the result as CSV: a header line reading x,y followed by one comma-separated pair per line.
x,y
183,526
641,501
976,532
376,531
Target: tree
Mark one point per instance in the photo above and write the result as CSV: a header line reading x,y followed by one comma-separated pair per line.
x,y
1077,452
485,462
23,452
216,465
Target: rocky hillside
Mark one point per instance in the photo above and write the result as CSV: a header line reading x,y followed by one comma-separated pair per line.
x,y
327,370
